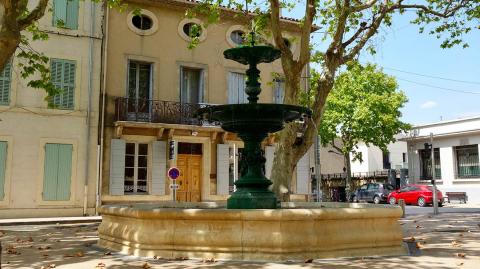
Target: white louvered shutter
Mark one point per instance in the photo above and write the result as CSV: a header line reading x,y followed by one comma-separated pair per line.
x,y
159,167
269,155
222,169
117,166
303,172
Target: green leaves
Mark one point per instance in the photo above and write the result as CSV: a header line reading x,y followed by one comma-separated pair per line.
x,y
364,106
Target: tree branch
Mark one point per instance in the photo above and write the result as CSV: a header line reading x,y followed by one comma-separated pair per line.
x,y
361,7
34,15
310,11
276,31
377,21
445,14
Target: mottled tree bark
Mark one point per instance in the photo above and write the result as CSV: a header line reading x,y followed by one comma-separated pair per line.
x,y
14,18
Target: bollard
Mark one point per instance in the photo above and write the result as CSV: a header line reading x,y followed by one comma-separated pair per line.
x,y
401,203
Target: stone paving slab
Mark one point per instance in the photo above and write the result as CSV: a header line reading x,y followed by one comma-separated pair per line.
x,y
445,241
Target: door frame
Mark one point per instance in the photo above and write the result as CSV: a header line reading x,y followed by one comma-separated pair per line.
x,y
137,77
200,184
206,164
203,78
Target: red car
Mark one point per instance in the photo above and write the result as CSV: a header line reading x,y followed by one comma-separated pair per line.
x,y
414,194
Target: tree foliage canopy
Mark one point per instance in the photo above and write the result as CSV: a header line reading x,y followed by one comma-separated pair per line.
x,y
364,106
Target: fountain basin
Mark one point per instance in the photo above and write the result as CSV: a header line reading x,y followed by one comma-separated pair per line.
x,y
253,118
254,234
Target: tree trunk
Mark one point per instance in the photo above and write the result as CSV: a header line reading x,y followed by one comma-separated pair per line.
x,y
348,177
9,32
284,163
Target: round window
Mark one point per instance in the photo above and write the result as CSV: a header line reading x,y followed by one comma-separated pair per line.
x,y
192,29
238,37
142,22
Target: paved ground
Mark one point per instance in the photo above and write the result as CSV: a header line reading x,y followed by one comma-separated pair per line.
x,y
454,207
450,240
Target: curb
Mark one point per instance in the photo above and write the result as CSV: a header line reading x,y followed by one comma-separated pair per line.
x,y
45,221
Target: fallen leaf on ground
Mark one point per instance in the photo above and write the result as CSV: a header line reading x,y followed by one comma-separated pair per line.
x,y
110,253
419,245
419,227
30,239
43,247
79,254
461,255
2,233
459,263
146,266
100,265
52,266
68,255
209,260
309,261
460,235
411,239
455,244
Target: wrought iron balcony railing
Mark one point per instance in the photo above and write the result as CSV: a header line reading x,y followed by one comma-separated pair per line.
x,y
156,111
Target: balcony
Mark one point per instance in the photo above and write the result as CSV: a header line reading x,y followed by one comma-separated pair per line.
x,y
156,111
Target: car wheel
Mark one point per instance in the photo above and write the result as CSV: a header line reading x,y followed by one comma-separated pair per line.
x,y
440,204
376,200
392,200
354,199
421,202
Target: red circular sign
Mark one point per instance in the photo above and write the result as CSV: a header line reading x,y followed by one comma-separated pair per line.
x,y
173,173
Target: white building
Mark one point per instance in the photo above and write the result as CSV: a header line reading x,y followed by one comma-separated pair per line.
x,y
374,159
48,156
456,147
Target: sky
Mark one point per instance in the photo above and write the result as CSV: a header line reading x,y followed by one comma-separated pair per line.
x,y
404,53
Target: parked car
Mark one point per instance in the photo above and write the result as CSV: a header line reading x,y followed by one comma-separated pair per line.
x,y
372,192
414,194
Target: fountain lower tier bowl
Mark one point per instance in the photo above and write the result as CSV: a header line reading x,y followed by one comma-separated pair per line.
x,y
317,230
253,118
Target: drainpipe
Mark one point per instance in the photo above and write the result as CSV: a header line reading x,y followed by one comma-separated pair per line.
x,y
102,117
89,105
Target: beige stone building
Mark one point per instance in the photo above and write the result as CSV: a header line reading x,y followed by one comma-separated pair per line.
x,y
154,84
48,157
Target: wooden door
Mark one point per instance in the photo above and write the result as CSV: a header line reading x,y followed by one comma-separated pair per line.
x,y
189,181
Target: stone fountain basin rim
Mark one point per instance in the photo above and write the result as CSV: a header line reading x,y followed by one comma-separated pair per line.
x,y
140,211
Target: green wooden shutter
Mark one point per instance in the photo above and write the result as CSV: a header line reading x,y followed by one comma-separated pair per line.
x,y
59,13
5,81
50,172
64,174
58,172
63,77
72,14
3,166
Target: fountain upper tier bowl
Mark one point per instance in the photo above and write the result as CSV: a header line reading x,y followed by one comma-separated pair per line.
x,y
257,118
252,54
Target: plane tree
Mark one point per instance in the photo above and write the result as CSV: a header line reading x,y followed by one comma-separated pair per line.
x,y
363,107
348,28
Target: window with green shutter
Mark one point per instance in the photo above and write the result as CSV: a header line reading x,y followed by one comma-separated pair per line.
x,y
63,77
3,167
57,172
5,81
65,14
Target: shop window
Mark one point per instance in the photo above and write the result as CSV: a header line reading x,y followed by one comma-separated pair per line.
x,y
467,161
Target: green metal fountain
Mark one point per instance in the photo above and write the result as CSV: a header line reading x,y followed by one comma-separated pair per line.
x,y
253,122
